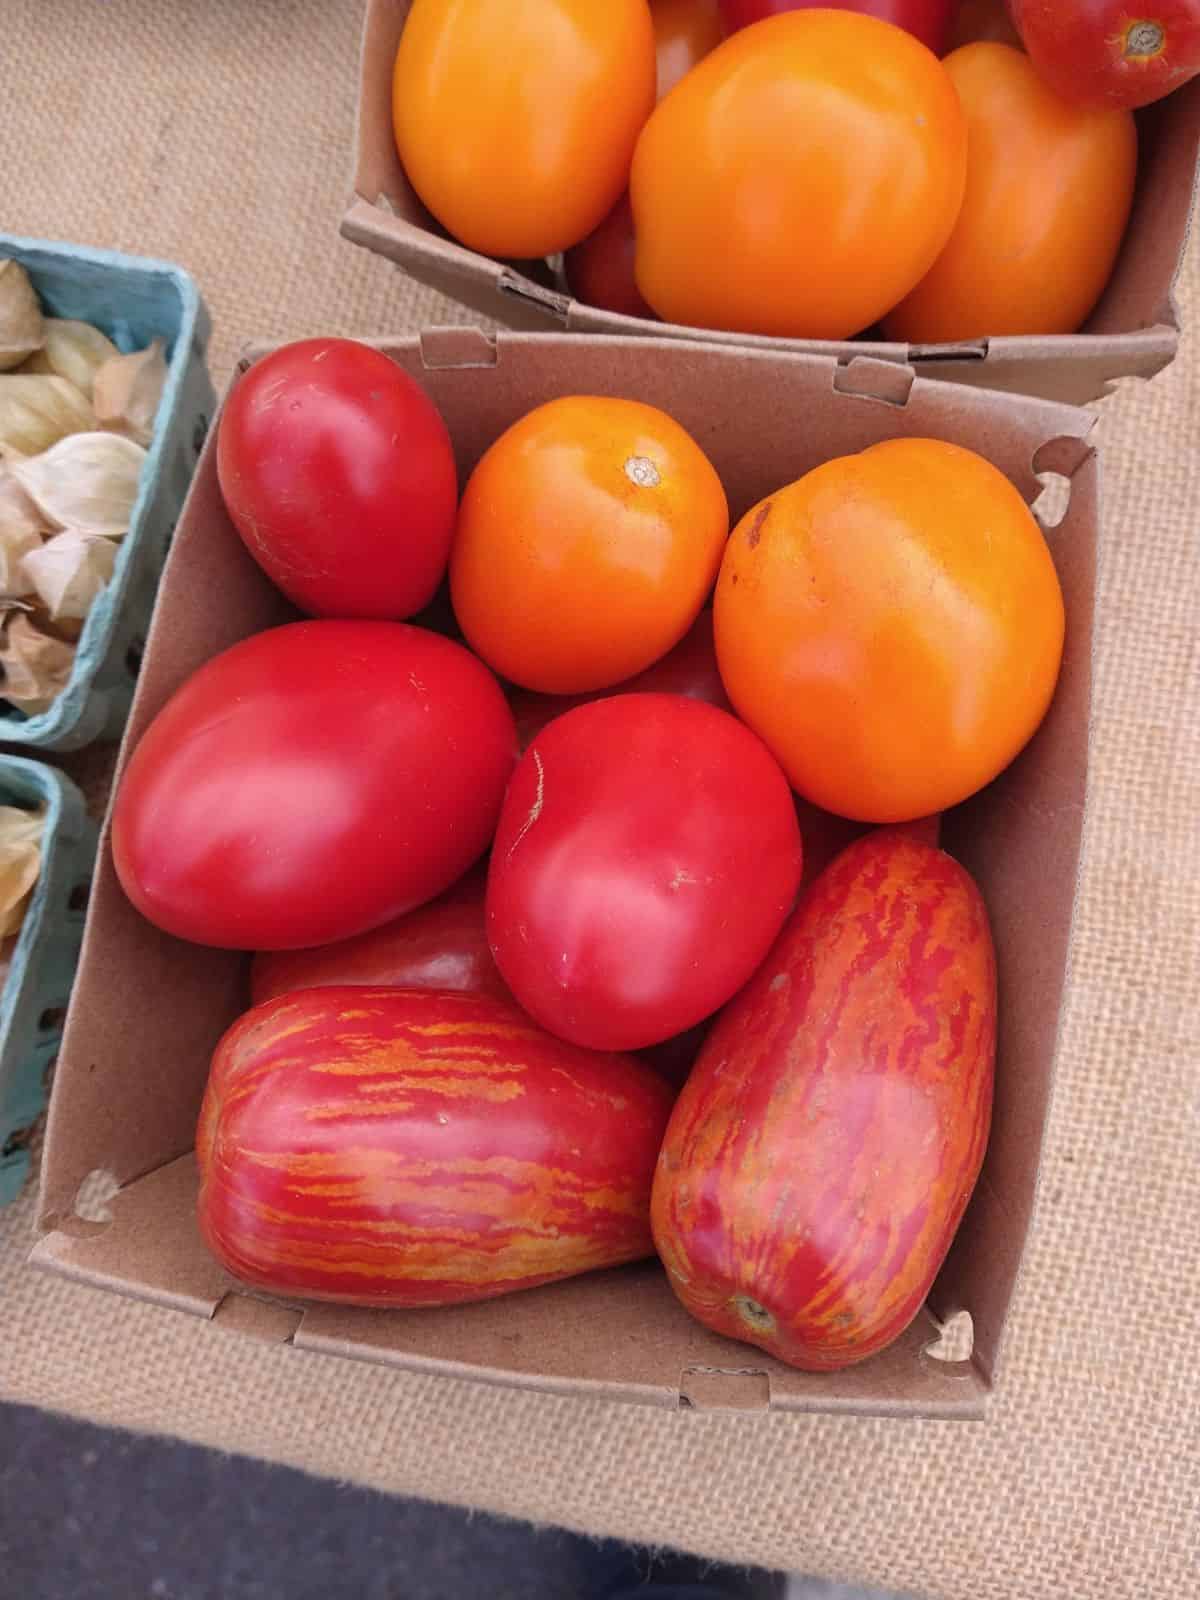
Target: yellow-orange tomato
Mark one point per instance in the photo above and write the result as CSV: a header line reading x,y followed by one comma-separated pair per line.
x,y
892,627
516,119
800,180
685,31
588,539
1049,188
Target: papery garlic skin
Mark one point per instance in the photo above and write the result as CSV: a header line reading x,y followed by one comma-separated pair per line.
x,y
21,835
21,321
14,547
73,350
36,667
88,482
69,571
128,391
37,410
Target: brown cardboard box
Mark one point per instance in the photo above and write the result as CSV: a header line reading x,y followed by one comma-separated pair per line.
x,y
1133,332
148,1009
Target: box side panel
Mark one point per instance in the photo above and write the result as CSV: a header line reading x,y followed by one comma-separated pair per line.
x,y
1021,840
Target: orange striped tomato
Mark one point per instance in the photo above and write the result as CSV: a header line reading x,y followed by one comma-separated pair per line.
x,y
822,1153
390,1147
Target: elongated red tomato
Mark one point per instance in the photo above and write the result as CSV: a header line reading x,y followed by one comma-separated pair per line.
x,y
312,782
338,472
390,1147
646,856
441,945
823,1150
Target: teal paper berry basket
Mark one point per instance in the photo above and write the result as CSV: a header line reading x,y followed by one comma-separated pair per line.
x,y
133,301
33,1001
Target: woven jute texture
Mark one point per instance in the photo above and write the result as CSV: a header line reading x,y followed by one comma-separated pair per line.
x,y
218,134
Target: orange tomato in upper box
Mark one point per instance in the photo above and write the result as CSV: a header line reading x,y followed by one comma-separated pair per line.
x,y
516,119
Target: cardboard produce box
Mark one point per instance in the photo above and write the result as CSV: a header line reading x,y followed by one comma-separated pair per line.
x,y
148,1009
1134,331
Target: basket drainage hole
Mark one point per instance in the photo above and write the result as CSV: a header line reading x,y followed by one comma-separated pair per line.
x,y
80,895
133,657
52,1018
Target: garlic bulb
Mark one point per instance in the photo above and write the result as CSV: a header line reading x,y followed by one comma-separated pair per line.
x,y
87,482
69,571
128,390
18,514
20,862
37,410
20,316
36,667
74,351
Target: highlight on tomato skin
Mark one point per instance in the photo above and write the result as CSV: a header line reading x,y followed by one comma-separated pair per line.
x,y
821,1155
388,1147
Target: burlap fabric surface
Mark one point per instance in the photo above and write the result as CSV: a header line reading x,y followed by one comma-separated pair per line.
x,y
218,134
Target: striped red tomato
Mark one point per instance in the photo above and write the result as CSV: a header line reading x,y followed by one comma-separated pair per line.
x,y
392,1147
822,1153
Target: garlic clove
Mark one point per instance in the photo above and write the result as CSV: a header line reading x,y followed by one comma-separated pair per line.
x,y
18,514
69,571
15,545
37,410
21,321
36,668
128,391
73,350
88,482
20,863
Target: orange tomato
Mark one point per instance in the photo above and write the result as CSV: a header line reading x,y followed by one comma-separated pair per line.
x,y
892,627
516,119
588,538
800,180
1049,190
685,31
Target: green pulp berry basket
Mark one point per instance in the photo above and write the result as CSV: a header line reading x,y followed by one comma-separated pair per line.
x,y
33,1001
133,301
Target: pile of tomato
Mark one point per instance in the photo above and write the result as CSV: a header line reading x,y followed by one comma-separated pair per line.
x,y
775,167
588,850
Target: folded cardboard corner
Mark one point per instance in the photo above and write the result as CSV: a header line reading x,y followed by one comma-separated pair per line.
x,y
148,1009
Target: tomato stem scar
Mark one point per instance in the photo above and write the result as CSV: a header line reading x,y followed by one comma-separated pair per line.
x,y
642,471
758,1317
1144,39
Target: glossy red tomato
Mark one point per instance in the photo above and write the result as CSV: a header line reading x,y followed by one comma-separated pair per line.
x,y
647,853
338,473
312,782
1111,52
929,20
690,669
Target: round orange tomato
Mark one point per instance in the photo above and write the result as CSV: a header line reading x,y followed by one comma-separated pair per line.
x,y
588,539
1049,189
516,119
685,30
892,627
800,180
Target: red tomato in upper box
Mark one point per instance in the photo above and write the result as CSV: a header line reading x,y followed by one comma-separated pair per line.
x,y
976,21
312,782
516,119
1110,52
600,269
927,20
645,858
800,180
339,475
